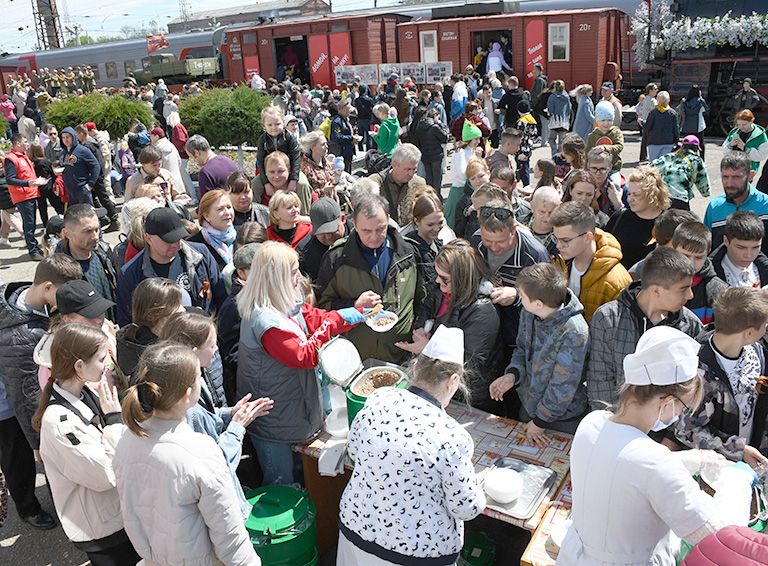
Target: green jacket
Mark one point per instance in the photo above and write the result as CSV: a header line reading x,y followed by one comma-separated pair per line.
x,y
345,274
756,146
388,136
613,142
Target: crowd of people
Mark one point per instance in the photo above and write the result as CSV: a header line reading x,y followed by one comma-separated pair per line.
x,y
543,293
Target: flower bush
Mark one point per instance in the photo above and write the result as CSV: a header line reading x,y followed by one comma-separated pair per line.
x,y
685,33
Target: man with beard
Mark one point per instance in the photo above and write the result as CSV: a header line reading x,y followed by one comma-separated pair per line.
x,y
736,174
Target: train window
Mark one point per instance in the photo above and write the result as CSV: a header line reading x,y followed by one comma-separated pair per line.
x,y
559,42
130,66
111,70
249,38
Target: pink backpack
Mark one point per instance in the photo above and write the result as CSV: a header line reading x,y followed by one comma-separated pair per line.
x,y
730,546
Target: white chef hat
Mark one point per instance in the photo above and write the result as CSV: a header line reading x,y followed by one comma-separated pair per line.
x,y
664,356
446,344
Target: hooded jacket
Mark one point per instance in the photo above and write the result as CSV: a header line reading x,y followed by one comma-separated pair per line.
x,y
20,331
81,169
430,135
207,286
549,361
495,60
707,285
616,327
604,279
693,115
559,108
756,146
662,127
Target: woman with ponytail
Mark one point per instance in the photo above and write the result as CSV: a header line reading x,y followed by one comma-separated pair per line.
x,y
179,504
226,425
80,426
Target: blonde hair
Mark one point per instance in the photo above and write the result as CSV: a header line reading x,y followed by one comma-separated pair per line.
x,y
208,200
475,165
280,199
277,155
269,286
275,111
165,372
143,191
652,186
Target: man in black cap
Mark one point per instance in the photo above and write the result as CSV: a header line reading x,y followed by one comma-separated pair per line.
x,y
329,225
82,241
746,98
167,254
79,301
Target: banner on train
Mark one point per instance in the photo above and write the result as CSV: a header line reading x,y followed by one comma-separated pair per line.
x,y
421,73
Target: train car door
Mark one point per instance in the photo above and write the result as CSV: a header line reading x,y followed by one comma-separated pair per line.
x,y
291,57
319,63
485,40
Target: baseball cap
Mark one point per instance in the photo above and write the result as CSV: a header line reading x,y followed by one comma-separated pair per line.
x,y
90,126
325,214
747,80
80,297
691,140
165,223
158,131
607,84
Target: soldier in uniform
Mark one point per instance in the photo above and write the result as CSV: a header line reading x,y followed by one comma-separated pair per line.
x,y
89,79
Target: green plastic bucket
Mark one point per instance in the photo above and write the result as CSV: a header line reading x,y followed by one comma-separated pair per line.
x,y
478,550
282,526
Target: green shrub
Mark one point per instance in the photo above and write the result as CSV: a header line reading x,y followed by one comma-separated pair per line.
x,y
109,113
230,116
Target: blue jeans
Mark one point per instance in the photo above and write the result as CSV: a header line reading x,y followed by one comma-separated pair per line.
x,y
279,463
656,151
28,211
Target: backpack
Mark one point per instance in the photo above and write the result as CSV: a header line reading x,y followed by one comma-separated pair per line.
x,y
325,127
375,161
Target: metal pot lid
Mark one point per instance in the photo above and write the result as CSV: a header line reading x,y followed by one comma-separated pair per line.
x,y
340,361
276,508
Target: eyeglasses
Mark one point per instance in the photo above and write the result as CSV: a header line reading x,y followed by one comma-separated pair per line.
x,y
566,241
687,408
500,213
598,170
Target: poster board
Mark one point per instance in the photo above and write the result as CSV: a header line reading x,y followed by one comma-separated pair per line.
x,y
386,69
438,72
417,72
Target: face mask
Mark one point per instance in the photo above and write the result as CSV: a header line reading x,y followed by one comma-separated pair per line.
x,y
661,425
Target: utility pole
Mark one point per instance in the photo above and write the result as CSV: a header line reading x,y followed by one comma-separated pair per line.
x,y
47,24
184,10
75,30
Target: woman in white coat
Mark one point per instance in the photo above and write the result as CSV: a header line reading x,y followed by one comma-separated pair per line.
x,y
179,504
633,497
414,483
79,427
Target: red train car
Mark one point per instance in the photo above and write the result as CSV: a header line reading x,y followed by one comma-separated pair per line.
x,y
319,45
573,45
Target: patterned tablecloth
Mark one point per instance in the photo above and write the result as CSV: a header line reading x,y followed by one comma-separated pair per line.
x,y
496,437
541,551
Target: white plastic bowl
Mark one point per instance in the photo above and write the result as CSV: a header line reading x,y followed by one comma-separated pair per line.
x,y
503,485
382,328
337,423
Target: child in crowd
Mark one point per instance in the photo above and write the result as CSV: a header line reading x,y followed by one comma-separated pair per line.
x,y
284,216
505,179
663,230
606,136
477,175
547,365
682,170
731,418
277,138
502,158
387,134
467,148
226,425
543,175
738,260
165,469
570,159
80,427
694,241
526,124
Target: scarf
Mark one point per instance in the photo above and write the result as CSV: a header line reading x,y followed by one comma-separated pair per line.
x,y
662,107
220,241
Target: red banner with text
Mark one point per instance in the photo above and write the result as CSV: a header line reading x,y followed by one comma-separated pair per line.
x,y
340,51
534,49
318,59
251,66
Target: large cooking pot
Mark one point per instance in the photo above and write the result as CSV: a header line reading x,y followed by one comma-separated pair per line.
x,y
282,526
340,363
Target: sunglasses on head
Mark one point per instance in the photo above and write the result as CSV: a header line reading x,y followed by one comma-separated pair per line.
x,y
500,213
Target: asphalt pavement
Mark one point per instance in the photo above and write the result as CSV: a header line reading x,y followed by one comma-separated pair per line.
x,y
22,545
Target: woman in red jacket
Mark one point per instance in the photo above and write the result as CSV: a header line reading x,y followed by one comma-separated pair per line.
x,y
284,218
